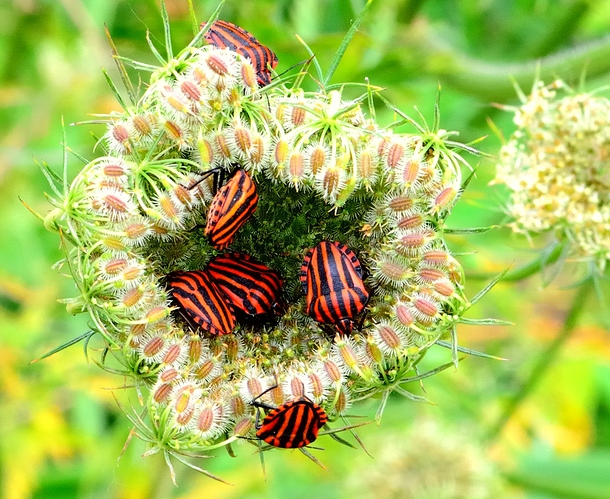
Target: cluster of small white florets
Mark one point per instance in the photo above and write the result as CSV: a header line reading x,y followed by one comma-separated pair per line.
x,y
557,166
145,194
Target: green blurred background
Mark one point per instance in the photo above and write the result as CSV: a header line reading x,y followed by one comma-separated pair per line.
x,y
61,431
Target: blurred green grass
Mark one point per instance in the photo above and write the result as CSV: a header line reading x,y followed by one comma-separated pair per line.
x,y
61,431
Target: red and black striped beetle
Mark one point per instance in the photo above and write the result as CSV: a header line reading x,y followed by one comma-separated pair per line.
x,y
232,206
248,285
223,34
331,276
201,301
292,425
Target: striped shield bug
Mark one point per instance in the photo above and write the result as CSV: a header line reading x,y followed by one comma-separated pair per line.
x,y
331,276
293,424
247,284
231,207
201,301
223,34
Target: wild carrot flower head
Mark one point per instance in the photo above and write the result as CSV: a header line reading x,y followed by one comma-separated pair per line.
x,y
556,166
205,178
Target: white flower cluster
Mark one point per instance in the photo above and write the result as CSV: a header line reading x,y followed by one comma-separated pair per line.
x,y
557,167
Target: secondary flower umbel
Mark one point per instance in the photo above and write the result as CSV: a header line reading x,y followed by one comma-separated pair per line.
x,y
556,166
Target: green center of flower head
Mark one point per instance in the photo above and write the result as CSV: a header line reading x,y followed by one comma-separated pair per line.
x,y
323,171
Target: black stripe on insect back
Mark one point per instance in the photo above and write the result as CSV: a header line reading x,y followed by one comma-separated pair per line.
x,y
248,284
201,301
239,41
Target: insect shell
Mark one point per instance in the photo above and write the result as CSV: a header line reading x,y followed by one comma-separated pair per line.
x,y
331,276
223,34
232,206
293,424
201,302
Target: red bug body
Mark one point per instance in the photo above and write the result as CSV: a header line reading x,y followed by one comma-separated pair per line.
x,y
331,276
201,301
224,34
248,285
293,424
230,209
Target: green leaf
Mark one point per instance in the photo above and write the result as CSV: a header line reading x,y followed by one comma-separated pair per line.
x,y
548,272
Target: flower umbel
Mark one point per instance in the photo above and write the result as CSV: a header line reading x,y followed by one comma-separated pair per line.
x,y
321,170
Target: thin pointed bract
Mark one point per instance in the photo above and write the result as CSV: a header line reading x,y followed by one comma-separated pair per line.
x,y
177,456
437,109
485,322
411,396
115,92
85,336
469,351
454,346
32,210
313,458
193,18
486,289
167,34
345,43
154,51
131,93
470,230
313,58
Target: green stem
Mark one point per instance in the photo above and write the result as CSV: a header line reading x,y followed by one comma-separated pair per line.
x,y
495,81
545,360
544,259
562,29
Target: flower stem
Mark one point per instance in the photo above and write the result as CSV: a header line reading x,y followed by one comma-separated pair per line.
x,y
495,81
545,360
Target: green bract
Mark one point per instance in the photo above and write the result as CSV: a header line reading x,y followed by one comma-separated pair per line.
x,y
324,170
